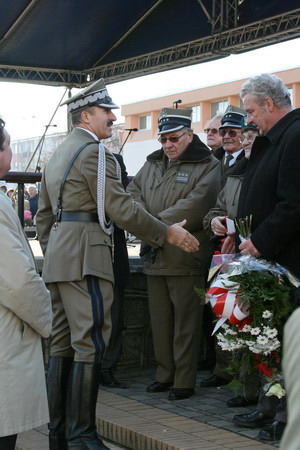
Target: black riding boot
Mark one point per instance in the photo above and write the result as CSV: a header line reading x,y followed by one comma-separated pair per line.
x,y
57,379
81,407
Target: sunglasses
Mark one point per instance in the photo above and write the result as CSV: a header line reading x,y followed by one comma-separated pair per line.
x,y
172,139
212,130
2,124
231,133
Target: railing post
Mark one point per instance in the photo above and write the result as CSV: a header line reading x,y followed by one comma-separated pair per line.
x,y
21,192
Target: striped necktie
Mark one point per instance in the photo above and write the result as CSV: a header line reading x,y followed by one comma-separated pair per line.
x,y
228,158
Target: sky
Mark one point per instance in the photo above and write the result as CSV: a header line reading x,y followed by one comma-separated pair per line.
x,y
27,108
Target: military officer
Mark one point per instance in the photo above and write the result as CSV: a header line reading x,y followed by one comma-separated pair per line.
x,y
81,195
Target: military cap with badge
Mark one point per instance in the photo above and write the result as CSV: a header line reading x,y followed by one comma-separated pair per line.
x,y
94,95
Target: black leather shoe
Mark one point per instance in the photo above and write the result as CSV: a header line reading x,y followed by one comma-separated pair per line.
x,y
159,387
273,432
255,419
181,393
107,379
213,381
239,401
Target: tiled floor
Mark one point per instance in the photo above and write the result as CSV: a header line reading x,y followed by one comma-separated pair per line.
x,y
137,420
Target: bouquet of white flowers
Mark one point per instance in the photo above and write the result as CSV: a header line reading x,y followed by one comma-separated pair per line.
x,y
252,301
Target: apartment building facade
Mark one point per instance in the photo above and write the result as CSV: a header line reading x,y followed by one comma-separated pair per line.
x,y
205,102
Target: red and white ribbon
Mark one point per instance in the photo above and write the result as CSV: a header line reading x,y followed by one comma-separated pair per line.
x,y
223,296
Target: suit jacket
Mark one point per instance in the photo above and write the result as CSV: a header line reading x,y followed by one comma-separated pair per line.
x,y
220,155
77,249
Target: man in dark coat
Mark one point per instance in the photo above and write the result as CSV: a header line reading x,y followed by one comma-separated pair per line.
x,y
271,193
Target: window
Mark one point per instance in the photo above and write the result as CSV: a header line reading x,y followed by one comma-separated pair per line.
x,y
218,107
145,122
196,113
291,94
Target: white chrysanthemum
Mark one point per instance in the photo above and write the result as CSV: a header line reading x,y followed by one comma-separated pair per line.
x,y
246,328
267,314
254,349
255,331
272,333
232,332
266,330
262,340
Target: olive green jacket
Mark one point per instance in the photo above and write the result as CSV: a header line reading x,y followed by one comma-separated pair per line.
x,y
76,249
185,189
227,201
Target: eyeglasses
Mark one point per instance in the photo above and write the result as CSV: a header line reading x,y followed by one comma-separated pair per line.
x,y
231,133
249,138
212,130
172,139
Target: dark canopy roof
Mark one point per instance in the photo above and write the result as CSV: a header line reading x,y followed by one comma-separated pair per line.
x,y
72,42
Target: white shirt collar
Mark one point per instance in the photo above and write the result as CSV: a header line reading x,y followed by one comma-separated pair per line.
x,y
90,132
234,156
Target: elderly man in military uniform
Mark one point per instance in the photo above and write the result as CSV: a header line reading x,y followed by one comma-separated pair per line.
x,y
81,195
182,177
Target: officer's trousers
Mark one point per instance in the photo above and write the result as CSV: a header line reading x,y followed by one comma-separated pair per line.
x,y
81,318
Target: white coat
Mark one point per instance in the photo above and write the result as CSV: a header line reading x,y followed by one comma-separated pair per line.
x,y
25,316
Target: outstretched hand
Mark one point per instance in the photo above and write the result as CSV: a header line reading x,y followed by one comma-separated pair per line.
x,y
178,236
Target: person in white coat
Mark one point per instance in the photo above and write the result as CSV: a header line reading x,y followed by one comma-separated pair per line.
x,y
25,316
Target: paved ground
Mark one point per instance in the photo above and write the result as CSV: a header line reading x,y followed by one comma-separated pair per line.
x,y
136,420
208,405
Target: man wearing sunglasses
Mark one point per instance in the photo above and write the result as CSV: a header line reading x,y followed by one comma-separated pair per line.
x,y
181,179
214,140
231,151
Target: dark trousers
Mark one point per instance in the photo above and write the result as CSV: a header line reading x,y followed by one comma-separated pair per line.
x,y
8,442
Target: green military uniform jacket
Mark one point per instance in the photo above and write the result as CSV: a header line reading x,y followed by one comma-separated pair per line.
x,y
185,189
77,249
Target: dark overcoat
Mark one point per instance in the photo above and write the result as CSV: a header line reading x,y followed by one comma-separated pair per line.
x,y
271,192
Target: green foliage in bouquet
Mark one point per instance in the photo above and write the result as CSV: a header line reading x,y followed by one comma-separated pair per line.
x,y
255,342
265,291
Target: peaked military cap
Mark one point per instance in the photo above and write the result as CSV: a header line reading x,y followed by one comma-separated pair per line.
x,y
94,95
171,119
232,120
232,108
247,126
